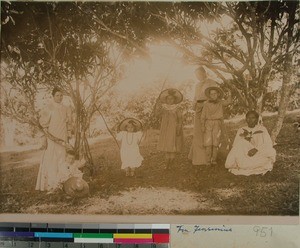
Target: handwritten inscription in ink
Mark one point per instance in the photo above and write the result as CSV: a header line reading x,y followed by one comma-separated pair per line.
x,y
197,229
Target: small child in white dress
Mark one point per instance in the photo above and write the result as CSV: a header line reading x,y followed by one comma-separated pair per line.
x,y
130,136
70,167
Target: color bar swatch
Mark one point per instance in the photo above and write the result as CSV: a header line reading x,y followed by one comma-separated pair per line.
x,y
85,233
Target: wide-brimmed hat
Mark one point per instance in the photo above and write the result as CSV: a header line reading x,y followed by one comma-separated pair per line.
x,y
218,89
76,187
135,122
171,92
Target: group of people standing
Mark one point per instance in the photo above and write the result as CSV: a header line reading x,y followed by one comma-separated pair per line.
x,y
252,151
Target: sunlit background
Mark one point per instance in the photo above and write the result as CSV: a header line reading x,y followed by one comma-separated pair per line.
x,y
163,64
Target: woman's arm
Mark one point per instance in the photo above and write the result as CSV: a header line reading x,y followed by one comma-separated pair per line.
x,y
227,101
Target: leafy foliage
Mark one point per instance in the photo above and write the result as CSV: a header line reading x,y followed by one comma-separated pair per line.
x,y
247,47
80,46
48,45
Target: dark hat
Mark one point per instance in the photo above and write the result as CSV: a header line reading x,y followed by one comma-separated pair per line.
x,y
133,121
171,92
76,187
218,89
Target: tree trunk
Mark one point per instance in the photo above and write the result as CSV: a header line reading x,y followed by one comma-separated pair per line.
x,y
77,120
259,106
286,80
284,97
77,132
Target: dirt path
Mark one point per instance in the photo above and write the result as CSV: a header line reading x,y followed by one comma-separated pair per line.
x,y
137,201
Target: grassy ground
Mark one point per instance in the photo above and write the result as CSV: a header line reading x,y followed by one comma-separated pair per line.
x,y
209,190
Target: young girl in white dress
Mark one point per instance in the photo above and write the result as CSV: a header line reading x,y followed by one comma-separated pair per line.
x,y
130,136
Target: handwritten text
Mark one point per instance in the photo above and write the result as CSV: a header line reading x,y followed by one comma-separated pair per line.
x,y
197,228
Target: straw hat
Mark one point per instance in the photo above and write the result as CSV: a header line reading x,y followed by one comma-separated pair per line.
x,y
218,89
171,92
76,187
135,122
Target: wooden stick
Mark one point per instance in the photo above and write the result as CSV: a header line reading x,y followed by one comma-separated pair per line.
x,y
107,127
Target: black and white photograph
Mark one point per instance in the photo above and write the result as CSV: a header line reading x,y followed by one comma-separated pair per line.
x,y
150,108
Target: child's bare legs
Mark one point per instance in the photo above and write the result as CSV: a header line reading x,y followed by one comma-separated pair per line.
x,y
168,161
209,151
214,155
132,172
170,156
212,134
127,171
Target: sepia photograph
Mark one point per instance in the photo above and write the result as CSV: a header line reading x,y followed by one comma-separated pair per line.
x,y
150,108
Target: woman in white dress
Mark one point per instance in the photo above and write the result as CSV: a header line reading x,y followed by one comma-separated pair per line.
x,y
55,120
197,152
252,152
130,136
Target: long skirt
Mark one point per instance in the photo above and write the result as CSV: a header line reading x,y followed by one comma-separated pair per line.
x,y
197,152
50,176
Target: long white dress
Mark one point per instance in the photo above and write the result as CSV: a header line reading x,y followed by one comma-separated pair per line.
x,y
240,163
197,152
130,152
55,118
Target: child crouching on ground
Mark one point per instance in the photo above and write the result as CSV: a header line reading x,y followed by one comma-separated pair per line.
x,y
70,167
130,136
212,121
71,177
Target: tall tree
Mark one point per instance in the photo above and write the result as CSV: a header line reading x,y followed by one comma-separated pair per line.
x,y
72,45
289,63
50,44
248,45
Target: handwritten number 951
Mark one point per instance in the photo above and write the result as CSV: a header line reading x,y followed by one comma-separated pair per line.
x,y
263,231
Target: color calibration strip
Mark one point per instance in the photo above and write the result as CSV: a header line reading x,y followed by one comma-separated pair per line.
x,y
85,234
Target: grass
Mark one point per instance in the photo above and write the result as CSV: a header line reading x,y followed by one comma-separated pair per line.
x,y
276,193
